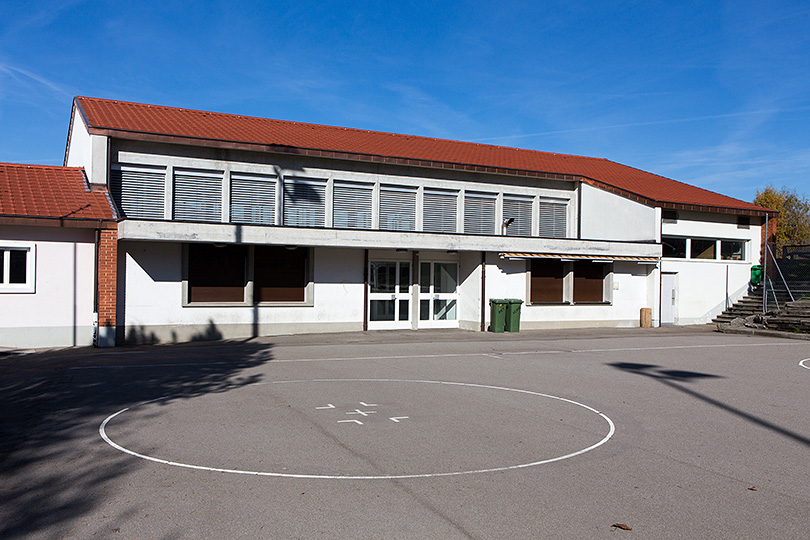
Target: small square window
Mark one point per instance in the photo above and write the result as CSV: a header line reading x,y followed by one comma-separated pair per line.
x,y
732,250
669,216
673,247
17,268
703,249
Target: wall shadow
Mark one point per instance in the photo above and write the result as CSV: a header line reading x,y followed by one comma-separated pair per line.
x,y
54,468
674,378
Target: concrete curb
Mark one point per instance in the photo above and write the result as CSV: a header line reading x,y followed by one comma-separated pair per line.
x,y
727,329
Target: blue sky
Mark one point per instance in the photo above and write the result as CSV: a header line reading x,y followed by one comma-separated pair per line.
x,y
715,94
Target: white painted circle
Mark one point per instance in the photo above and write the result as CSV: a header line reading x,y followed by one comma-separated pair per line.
x,y
803,364
611,430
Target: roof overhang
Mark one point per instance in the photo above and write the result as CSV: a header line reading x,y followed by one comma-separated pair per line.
x,y
570,257
68,223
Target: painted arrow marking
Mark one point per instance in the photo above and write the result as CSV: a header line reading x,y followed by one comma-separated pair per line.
x,y
368,404
328,406
398,418
364,413
355,421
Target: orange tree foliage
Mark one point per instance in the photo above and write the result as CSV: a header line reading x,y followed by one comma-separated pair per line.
x,y
793,223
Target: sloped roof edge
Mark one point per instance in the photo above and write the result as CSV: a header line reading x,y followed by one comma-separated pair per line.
x,y
158,123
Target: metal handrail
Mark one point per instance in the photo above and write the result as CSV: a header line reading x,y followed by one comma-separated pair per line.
x,y
780,275
773,291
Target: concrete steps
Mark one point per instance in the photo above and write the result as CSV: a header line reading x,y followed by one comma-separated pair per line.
x,y
795,317
750,304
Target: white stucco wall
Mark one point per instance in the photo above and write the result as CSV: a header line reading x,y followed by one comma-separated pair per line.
x,y
87,151
705,286
59,312
606,216
154,310
633,287
469,289
79,150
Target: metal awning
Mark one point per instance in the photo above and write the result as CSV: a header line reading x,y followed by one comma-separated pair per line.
x,y
595,258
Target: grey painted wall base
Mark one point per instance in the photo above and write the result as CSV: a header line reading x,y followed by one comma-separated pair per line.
x,y
46,336
552,325
152,334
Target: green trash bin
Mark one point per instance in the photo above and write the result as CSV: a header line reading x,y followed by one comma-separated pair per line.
x,y
756,274
498,309
513,315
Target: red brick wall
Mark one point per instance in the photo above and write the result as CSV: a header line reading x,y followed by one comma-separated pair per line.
x,y
768,235
107,279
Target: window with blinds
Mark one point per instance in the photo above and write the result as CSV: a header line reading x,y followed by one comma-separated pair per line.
x,y
253,198
280,274
217,273
520,209
138,190
589,279
397,208
547,280
197,195
439,211
351,205
304,202
552,220
479,213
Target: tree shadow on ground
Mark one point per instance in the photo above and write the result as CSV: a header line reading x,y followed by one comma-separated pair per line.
x,y
676,378
54,467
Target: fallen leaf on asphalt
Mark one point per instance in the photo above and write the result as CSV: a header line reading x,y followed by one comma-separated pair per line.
x,y
622,526
752,488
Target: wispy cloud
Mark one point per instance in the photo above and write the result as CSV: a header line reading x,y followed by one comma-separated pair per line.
x,y
24,79
763,112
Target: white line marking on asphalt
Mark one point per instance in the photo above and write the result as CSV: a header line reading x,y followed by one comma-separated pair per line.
x,y
328,406
364,413
398,418
611,430
803,365
455,355
356,421
368,404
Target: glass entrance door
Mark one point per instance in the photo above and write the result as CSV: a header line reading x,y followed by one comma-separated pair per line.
x,y
389,295
438,295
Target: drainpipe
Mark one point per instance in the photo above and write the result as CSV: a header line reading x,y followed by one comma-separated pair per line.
x,y
95,288
483,291
365,291
765,269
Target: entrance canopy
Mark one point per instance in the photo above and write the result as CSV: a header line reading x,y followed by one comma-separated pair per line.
x,y
567,257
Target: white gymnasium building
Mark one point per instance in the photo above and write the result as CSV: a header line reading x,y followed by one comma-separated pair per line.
x,y
233,226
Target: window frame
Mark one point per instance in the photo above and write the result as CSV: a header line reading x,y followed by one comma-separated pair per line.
x,y
686,247
250,280
29,286
564,280
606,281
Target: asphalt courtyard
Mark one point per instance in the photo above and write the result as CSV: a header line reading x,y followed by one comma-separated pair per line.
x,y
637,433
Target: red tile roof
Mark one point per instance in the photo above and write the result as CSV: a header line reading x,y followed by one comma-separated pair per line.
x,y
125,119
50,192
